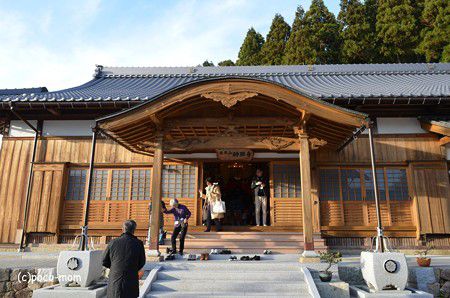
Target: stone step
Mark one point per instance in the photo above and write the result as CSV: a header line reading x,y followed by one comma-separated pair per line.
x,y
224,295
230,266
224,286
244,275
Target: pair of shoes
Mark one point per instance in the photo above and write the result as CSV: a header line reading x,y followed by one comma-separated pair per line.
x,y
170,251
266,225
169,257
267,252
232,258
204,257
258,225
192,257
245,258
255,258
225,252
215,251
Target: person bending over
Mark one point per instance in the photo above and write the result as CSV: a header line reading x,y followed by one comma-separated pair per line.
x,y
181,214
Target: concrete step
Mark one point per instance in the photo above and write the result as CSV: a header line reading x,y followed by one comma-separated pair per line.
x,y
223,295
244,275
226,286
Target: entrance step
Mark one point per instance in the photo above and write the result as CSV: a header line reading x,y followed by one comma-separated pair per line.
x,y
246,242
268,278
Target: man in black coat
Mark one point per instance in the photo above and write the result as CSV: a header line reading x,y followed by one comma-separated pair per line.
x,y
125,256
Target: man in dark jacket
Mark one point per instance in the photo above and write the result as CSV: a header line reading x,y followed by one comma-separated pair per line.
x,y
125,256
260,186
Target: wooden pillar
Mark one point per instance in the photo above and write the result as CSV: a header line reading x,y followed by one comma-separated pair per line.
x,y
307,204
158,159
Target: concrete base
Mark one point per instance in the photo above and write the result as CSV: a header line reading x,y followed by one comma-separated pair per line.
x,y
58,291
364,292
336,289
382,270
83,267
155,258
309,256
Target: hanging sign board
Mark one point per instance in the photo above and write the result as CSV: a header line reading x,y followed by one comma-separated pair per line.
x,y
234,154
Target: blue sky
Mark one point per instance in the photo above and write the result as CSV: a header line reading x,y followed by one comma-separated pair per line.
x,y
57,43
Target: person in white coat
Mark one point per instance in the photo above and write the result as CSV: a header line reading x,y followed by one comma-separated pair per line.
x,y
211,196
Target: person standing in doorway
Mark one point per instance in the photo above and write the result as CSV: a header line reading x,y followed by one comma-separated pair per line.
x,y
124,256
212,196
260,187
181,214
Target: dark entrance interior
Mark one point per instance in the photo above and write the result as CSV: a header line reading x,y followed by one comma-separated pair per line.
x,y
234,179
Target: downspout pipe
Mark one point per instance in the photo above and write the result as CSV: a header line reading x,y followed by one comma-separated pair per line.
x,y
30,178
84,245
380,247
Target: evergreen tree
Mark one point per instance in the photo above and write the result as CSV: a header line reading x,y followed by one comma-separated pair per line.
x,y
321,38
273,49
397,30
435,35
293,53
356,34
370,12
207,63
250,52
226,63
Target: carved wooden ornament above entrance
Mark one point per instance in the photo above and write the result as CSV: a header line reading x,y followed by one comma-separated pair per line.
x,y
229,99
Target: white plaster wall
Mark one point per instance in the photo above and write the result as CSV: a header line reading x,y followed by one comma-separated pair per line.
x,y
67,128
19,128
398,125
447,148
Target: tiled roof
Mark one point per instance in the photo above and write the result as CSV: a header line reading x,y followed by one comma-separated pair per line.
x,y
316,81
21,91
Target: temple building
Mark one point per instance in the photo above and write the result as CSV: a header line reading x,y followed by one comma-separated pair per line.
x,y
158,132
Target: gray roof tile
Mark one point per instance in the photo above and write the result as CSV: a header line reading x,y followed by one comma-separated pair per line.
x,y
316,81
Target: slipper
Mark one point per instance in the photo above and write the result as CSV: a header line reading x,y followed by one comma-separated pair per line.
x,y
245,258
225,252
256,258
232,258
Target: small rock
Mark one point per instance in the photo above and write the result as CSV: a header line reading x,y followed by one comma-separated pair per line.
x,y
22,274
5,286
19,285
434,289
351,274
25,293
35,285
437,273
8,295
4,274
445,274
446,289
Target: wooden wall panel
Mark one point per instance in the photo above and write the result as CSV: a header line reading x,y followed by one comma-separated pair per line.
x,y
389,149
46,197
287,212
431,191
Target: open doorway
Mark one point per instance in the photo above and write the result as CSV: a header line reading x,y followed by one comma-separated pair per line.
x,y
235,179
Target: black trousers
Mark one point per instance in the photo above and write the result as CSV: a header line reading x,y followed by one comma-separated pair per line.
x,y
209,221
182,231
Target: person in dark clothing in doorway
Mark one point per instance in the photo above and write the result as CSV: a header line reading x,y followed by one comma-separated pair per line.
x,y
181,214
260,186
124,256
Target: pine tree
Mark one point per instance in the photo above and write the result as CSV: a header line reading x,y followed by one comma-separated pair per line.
x,y
356,33
250,52
273,49
227,62
435,35
370,12
207,63
397,30
293,53
321,37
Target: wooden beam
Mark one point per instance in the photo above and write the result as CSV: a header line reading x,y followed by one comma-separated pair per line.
x,y
156,194
307,204
435,128
444,140
236,121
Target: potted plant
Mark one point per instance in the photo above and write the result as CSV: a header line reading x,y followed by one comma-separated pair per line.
x,y
331,258
422,259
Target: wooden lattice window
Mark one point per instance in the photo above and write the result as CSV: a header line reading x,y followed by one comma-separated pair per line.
x,y
397,184
179,181
76,185
329,182
140,189
120,185
286,181
368,183
351,184
99,185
